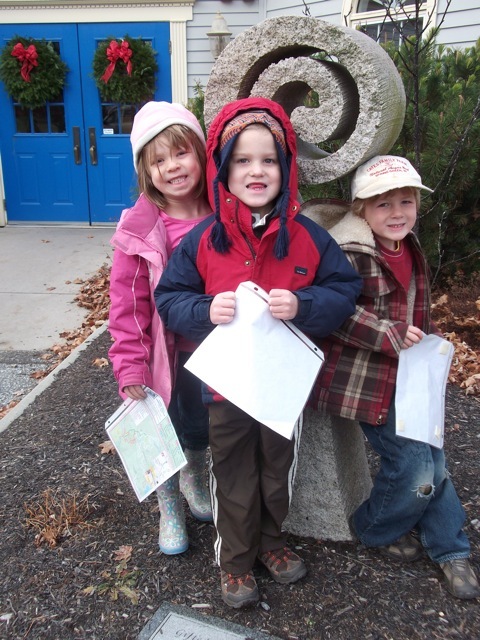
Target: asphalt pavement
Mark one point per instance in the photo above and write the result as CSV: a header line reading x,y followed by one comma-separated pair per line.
x,y
41,272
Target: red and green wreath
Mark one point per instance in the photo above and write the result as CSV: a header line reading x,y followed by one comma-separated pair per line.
x,y
32,71
124,70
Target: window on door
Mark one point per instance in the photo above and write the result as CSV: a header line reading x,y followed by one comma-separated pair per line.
x,y
117,117
49,118
387,20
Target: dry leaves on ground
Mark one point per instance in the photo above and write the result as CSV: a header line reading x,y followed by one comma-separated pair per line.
x,y
94,297
459,320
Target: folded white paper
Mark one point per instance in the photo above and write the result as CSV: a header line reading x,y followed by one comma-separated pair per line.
x,y
420,394
263,365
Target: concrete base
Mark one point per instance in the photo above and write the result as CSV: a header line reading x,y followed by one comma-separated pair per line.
x,y
333,478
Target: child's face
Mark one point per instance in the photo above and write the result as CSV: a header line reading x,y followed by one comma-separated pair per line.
x,y
391,216
175,171
254,173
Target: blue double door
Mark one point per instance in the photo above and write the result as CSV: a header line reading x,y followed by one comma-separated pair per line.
x,y
71,161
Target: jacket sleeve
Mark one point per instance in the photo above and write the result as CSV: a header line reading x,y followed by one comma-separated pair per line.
x,y
130,319
370,327
330,299
180,296
366,329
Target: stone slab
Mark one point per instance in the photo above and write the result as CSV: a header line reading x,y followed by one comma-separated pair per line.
x,y
182,623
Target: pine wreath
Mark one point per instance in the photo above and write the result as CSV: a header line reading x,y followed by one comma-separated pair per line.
x,y
32,71
124,70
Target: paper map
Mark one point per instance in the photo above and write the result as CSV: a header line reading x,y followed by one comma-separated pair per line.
x,y
145,440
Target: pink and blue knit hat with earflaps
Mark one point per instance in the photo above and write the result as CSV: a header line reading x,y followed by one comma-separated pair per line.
x,y
155,117
218,236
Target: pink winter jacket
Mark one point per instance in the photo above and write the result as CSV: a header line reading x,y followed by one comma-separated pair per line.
x,y
143,351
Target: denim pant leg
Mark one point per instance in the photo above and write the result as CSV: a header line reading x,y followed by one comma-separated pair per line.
x,y
400,499
187,411
441,524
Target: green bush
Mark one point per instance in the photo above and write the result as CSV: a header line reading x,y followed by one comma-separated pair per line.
x,y
447,150
196,104
441,137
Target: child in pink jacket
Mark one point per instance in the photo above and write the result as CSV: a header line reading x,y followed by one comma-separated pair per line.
x,y
168,147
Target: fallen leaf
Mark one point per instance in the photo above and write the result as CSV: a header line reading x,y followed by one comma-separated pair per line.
x,y
123,553
131,594
101,362
107,447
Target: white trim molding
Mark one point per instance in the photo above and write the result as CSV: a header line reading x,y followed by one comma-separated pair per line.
x,y
56,11
351,17
178,38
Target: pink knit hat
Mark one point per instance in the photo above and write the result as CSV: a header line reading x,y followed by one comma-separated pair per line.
x,y
153,118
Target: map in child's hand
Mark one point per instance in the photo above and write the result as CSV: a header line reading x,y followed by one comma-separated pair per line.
x,y
146,442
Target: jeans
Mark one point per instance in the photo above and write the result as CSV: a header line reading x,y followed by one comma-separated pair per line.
x,y
188,413
412,490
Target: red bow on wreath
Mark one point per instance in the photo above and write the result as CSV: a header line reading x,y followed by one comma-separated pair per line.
x,y
28,58
114,52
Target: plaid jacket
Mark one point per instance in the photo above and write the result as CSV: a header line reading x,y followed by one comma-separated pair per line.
x,y
359,375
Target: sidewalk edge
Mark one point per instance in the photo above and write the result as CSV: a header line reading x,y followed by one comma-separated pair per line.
x,y
25,402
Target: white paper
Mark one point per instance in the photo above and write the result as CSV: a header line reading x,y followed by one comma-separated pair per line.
x,y
145,439
420,394
263,365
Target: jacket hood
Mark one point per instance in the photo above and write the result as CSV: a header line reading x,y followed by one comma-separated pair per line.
x,y
220,199
233,109
353,230
140,231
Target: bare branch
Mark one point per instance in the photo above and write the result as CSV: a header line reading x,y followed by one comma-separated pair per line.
x,y
306,10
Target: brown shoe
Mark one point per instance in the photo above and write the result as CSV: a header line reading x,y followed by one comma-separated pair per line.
x,y
460,579
239,590
405,549
285,566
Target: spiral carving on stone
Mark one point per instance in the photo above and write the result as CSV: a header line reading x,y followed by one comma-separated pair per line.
x,y
361,95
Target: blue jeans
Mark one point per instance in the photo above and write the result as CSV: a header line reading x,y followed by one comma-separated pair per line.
x,y
412,490
186,410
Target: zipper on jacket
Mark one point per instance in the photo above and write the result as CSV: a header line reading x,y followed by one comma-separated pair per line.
x,y
249,244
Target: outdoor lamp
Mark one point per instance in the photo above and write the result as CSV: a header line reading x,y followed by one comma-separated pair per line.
x,y
219,35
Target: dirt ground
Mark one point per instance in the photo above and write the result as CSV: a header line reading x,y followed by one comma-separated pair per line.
x,y
79,556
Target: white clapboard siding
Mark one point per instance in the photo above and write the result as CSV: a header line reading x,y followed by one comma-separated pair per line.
x,y
460,29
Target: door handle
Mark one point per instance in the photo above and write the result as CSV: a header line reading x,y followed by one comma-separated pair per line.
x,y
92,138
77,151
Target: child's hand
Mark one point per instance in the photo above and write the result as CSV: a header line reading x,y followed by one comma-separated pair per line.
x,y
222,308
414,335
283,304
135,392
